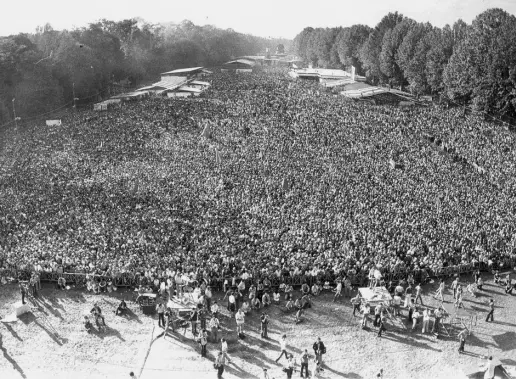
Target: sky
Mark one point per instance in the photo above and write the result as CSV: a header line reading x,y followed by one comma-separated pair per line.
x,y
266,18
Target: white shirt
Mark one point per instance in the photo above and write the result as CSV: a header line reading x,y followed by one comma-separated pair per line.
x,y
231,299
283,344
240,317
214,308
224,347
490,369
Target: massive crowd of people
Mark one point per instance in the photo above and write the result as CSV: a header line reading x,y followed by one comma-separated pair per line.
x,y
292,180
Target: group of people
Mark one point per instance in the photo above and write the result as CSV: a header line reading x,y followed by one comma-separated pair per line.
x,y
290,181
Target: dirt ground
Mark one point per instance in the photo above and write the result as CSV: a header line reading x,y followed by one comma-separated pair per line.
x,y
51,343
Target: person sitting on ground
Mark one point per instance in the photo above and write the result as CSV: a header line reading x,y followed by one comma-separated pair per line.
x,y
214,309
480,283
290,305
96,287
122,308
110,287
266,299
497,278
288,291
87,324
316,289
305,289
141,292
245,307
256,304
509,287
102,285
471,289
297,303
306,301
61,283
267,284
276,297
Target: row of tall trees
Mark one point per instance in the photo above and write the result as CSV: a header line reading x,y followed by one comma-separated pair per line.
x,y
474,63
42,71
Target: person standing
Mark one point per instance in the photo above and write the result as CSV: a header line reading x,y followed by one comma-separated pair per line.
x,y
438,315
219,364
412,308
283,347
491,312
291,364
440,291
338,290
161,315
304,363
194,317
415,318
264,320
208,295
214,326
426,320
204,342
366,310
224,348
462,338
319,350
356,304
454,286
23,292
489,369
418,293
240,317
377,313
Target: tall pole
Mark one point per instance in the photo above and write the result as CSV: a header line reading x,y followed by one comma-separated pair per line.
x,y
14,112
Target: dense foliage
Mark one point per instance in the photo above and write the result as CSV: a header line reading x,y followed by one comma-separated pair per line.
x,y
40,70
468,63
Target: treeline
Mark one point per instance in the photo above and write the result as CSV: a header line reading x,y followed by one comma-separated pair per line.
x,y
474,64
43,70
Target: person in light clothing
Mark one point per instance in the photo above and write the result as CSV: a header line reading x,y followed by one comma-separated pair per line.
x,y
489,369
240,317
426,320
283,347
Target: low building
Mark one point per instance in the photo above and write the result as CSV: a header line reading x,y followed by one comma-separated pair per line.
x,y
189,73
162,87
238,65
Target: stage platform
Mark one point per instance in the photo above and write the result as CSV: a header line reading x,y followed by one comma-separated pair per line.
x,y
181,306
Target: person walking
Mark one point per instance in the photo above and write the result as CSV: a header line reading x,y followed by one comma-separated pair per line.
x,y
161,315
283,347
377,313
224,349
319,350
356,304
462,339
381,325
219,364
264,320
491,312
440,291
304,363
418,293
214,326
203,340
240,319
194,317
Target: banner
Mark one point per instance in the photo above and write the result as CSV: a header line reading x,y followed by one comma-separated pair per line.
x,y
53,122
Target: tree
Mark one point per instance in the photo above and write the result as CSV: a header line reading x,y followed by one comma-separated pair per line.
x,y
482,66
348,44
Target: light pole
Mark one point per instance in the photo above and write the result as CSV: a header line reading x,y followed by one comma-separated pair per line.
x,y
14,112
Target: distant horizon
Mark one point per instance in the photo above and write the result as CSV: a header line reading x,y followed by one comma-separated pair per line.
x,y
269,19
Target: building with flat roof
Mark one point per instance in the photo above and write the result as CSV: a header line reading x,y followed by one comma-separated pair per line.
x,y
168,84
190,72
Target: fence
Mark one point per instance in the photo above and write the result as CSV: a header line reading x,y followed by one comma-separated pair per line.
x,y
360,279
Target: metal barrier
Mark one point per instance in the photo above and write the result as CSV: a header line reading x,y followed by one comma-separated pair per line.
x,y
357,279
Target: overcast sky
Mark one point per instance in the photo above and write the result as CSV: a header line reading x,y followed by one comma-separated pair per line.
x,y
267,18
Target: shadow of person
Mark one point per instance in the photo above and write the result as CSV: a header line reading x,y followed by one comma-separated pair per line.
x,y
10,359
13,332
114,332
52,334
